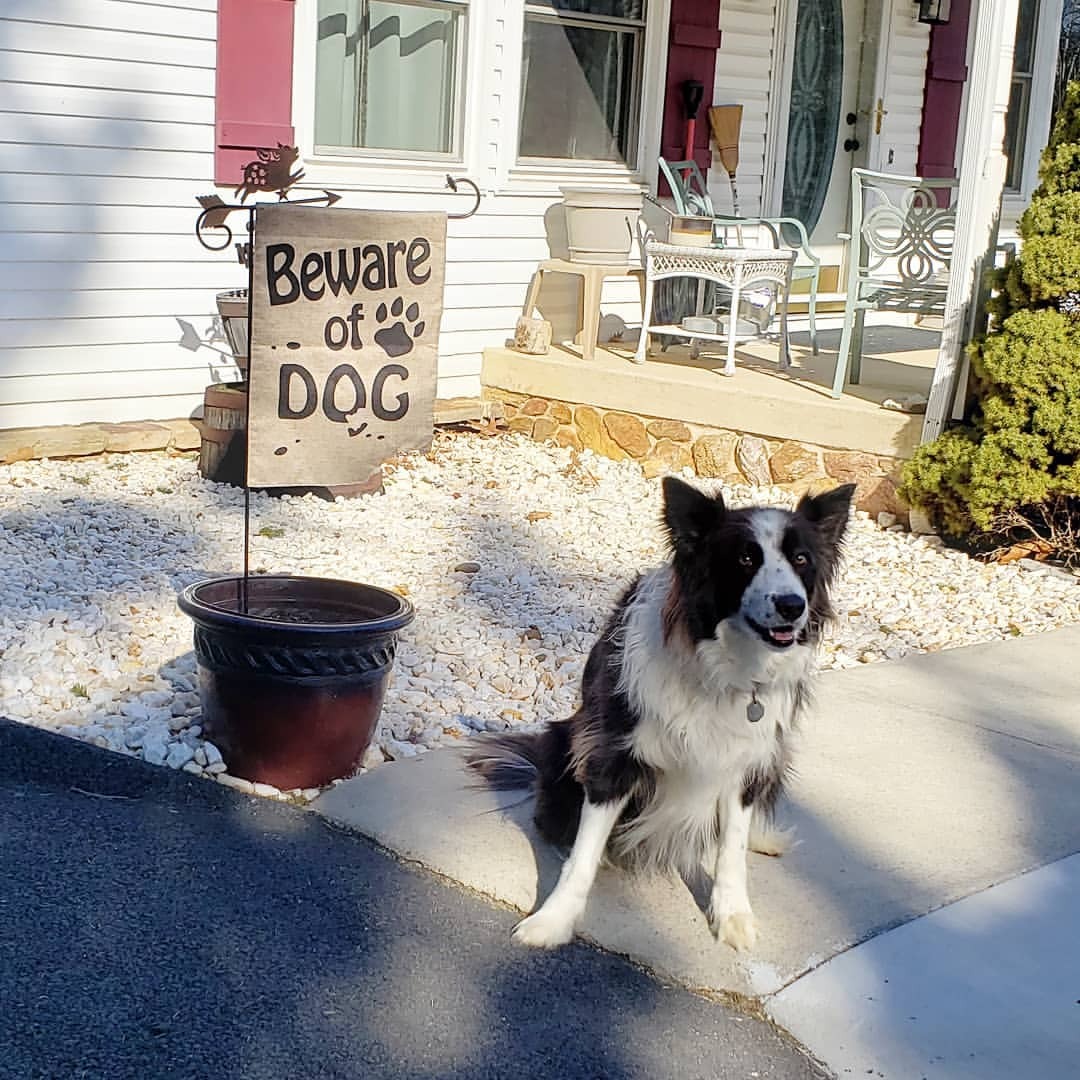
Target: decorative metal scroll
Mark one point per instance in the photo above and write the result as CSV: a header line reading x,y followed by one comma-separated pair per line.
x,y
906,234
272,170
452,183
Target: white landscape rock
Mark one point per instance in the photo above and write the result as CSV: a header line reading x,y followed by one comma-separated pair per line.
x,y
95,551
920,522
180,754
155,750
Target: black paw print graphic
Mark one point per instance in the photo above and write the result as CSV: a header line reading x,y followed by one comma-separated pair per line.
x,y
396,340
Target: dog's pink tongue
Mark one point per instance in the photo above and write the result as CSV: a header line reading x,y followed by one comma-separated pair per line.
x,y
782,637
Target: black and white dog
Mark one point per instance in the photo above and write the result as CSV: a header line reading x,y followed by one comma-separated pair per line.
x,y
689,701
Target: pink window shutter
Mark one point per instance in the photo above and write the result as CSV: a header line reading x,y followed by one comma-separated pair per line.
x,y
693,38
254,82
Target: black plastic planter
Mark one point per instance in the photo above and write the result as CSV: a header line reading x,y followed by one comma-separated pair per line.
x,y
291,690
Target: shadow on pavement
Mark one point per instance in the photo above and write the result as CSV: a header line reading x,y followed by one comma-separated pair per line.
x,y
157,925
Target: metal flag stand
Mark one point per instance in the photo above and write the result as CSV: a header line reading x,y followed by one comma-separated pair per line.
x,y
271,171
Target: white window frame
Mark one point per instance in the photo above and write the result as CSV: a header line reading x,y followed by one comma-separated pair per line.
x,y
543,13
545,177
359,169
1040,105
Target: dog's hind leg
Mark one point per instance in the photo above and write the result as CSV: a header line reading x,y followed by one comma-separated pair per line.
x,y
555,921
729,913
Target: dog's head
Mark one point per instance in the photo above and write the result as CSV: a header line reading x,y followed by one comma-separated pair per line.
x,y
767,570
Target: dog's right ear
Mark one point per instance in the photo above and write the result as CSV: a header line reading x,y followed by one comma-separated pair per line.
x,y
689,514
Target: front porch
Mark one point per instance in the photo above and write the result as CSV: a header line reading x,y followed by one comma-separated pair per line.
x,y
762,399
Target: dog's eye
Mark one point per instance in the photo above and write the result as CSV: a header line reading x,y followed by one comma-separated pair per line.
x,y
800,560
746,560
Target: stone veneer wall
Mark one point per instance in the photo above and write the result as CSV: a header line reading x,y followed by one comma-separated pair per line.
x,y
81,440
663,446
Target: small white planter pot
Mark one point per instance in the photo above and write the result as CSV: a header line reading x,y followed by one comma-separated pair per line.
x,y
601,225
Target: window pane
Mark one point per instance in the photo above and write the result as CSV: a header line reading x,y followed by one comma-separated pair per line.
x,y
616,9
1026,18
386,75
1015,131
577,86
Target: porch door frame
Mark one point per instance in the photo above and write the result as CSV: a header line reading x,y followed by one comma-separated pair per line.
x,y
772,193
872,84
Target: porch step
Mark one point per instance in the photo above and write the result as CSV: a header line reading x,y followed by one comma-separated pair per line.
x,y
761,399
460,410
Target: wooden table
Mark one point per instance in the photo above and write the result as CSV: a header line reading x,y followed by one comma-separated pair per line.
x,y
735,269
592,283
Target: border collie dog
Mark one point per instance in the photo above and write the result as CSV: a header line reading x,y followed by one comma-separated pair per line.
x,y
689,701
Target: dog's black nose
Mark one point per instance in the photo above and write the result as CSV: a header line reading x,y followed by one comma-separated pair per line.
x,y
789,606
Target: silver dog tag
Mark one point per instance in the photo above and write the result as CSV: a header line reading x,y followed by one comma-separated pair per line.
x,y
754,710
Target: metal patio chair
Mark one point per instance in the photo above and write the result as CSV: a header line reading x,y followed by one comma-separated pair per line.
x,y
900,255
692,197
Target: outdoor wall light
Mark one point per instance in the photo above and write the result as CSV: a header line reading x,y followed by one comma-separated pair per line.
x,y
934,12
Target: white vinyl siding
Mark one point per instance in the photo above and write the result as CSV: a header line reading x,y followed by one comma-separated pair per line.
x,y
108,110
744,64
108,131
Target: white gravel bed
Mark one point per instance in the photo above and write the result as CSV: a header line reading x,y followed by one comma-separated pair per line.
x,y
512,553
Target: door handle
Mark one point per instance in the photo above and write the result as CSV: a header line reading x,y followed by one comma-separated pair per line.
x,y
879,113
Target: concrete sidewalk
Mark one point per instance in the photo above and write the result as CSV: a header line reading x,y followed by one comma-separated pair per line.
x,y
921,782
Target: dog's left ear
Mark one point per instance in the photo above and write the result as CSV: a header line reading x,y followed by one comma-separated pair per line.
x,y
828,511
689,514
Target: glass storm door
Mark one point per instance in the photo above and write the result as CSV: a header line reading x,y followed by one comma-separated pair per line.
x,y
817,85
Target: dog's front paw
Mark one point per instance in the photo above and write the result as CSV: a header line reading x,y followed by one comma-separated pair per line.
x,y
544,930
737,928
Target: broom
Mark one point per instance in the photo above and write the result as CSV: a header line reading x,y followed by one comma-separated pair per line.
x,y
725,122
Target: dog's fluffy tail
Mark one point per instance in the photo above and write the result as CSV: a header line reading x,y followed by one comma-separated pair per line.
x,y
508,762
766,838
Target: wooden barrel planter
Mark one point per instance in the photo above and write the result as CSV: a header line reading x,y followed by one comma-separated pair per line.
x,y
223,452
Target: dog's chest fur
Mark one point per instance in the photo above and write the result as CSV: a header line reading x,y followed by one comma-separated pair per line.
x,y
693,732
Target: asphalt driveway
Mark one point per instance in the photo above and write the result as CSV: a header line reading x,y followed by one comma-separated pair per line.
x,y
155,925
